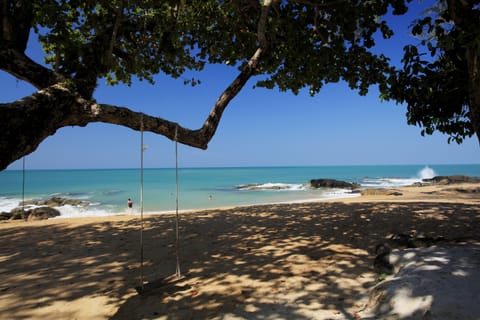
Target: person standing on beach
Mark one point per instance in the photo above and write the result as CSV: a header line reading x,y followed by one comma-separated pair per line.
x,y
130,205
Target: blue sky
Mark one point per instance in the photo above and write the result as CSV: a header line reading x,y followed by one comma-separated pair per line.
x,y
259,128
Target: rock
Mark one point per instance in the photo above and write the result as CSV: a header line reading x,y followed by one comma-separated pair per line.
x,y
332,183
270,186
432,283
473,190
42,213
56,202
5,216
444,180
39,213
380,192
18,214
385,262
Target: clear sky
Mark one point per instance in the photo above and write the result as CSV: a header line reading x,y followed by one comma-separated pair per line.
x,y
259,128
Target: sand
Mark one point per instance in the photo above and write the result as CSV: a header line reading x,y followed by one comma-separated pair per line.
x,y
285,261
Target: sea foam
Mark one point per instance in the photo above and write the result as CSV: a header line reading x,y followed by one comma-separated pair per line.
x,y
427,173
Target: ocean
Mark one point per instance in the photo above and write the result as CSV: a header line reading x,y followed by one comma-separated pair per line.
x,y
107,190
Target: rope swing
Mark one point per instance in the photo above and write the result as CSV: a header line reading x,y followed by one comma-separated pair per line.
x,y
142,150
177,241
177,276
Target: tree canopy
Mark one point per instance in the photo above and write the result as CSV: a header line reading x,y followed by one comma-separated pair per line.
x,y
440,79
291,44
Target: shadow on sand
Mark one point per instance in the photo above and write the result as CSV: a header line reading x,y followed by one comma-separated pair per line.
x,y
263,262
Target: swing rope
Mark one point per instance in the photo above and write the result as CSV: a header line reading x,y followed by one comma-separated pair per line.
x,y
142,149
177,242
177,275
23,187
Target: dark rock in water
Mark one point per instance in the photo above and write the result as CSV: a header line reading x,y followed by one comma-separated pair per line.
x,y
256,186
5,215
42,213
43,209
443,180
332,183
18,214
39,213
56,202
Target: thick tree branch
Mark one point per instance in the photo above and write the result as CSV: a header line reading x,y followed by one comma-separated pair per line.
x,y
15,23
211,124
22,67
27,122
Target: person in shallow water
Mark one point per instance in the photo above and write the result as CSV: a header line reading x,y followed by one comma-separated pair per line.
x,y
130,203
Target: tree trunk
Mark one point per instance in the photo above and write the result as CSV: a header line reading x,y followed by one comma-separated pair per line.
x,y
464,16
473,62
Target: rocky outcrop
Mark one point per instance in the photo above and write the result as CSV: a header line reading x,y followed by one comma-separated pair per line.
x,y
42,213
430,277
332,183
39,213
268,186
383,261
444,180
55,202
429,283
40,209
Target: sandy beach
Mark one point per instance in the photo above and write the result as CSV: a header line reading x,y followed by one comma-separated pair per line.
x,y
286,261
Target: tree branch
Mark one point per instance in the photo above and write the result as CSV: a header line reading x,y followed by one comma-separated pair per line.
x,y
15,23
211,124
25,123
24,68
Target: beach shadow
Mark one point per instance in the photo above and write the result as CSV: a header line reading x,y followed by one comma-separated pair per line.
x,y
256,262
265,247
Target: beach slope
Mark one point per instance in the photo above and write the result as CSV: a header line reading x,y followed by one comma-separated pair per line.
x,y
286,261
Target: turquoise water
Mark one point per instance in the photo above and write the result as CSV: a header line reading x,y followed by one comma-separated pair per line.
x,y
107,190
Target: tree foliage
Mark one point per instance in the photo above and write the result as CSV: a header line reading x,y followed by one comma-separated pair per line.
x,y
290,45
440,79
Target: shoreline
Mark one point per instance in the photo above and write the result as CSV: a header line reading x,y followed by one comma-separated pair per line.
x,y
311,260
426,192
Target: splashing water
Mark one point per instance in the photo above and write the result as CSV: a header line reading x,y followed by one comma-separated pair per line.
x,y
427,173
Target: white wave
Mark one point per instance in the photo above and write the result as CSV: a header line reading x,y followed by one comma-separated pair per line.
x,y
388,182
69,211
426,173
271,186
8,204
341,193
66,211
